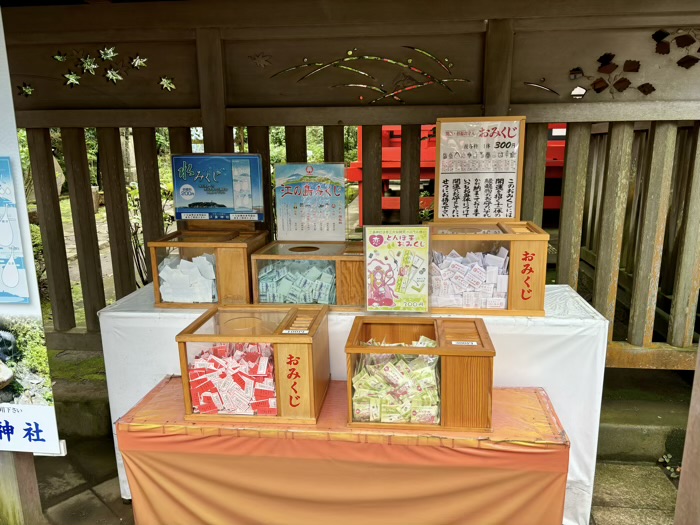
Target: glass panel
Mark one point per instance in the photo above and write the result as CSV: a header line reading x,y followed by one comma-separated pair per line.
x,y
241,323
187,275
296,281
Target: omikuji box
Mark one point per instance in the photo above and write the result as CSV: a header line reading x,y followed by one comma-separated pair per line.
x,y
202,268
256,363
330,273
488,268
415,385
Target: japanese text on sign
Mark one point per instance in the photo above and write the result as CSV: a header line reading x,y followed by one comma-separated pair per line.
x,y
293,375
527,272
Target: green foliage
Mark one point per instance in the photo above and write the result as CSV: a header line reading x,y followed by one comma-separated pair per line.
x,y
39,259
29,334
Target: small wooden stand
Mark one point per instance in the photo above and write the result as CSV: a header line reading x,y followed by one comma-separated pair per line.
x,y
466,365
19,490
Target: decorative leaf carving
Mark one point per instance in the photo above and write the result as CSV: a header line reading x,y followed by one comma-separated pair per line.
x,y
622,84
599,85
606,58
684,40
606,69
575,73
688,61
663,48
631,66
646,88
659,35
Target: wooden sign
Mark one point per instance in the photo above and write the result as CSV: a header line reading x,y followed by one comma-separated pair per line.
x,y
479,168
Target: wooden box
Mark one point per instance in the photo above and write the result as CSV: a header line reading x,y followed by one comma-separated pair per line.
x,y
527,246
231,251
298,365
345,258
465,364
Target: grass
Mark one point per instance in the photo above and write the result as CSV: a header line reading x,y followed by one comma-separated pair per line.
x,y
76,370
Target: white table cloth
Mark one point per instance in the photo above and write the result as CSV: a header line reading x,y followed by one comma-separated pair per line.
x,y
563,352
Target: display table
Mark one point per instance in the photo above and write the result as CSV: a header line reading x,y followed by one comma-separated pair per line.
x,y
187,473
563,352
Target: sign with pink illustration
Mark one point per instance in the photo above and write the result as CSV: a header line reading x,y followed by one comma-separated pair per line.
x,y
397,260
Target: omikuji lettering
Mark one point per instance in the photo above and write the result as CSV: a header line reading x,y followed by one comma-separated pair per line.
x,y
292,363
527,271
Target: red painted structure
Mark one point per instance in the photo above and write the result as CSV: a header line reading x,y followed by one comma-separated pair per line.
x,y
391,163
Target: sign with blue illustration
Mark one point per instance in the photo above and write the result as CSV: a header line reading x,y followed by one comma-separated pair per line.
x,y
310,201
218,187
13,278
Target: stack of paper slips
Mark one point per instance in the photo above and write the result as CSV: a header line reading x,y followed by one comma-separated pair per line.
x,y
477,280
394,388
183,281
234,378
297,282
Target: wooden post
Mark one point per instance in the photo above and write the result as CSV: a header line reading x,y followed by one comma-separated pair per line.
x,y
578,143
112,168
410,173
295,142
648,259
687,283
333,144
688,502
372,187
619,160
19,490
46,192
180,141
78,176
534,171
498,62
148,178
212,94
259,142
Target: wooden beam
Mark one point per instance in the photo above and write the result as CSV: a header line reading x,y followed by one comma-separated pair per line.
x,y
180,140
687,281
410,173
687,502
498,67
212,94
51,226
259,142
333,144
534,171
114,185
372,187
78,339
346,115
648,253
578,144
97,118
608,111
19,490
295,142
626,21
78,176
148,177
619,159
656,356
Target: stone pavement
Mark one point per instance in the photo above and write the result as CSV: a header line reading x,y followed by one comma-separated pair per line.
x,y
82,489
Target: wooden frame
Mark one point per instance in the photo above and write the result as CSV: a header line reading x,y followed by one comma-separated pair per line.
x,y
521,159
348,257
232,250
310,343
466,371
520,237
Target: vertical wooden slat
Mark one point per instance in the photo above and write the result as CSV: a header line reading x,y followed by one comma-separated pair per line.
x,y
687,281
259,142
51,226
180,140
498,63
112,169
295,142
83,214
600,187
148,179
19,490
333,144
410,173
659,172
687,502
633,211
593,160
533,173
372,190
228,140
618,160
212,96
578,143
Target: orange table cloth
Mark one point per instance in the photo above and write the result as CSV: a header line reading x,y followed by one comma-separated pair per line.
x,y
183,472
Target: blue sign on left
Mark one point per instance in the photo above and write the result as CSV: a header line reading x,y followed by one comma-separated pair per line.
x,y
13,277
218,187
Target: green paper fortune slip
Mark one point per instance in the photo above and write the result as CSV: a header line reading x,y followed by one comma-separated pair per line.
x,y
397,259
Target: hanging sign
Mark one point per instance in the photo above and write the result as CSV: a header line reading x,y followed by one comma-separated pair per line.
x,y
14,288
218,187
479,168
397,259
310,202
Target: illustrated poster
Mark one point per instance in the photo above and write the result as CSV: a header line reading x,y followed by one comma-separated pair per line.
x,y
13,277
218,187
479,167
397,259
310,200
